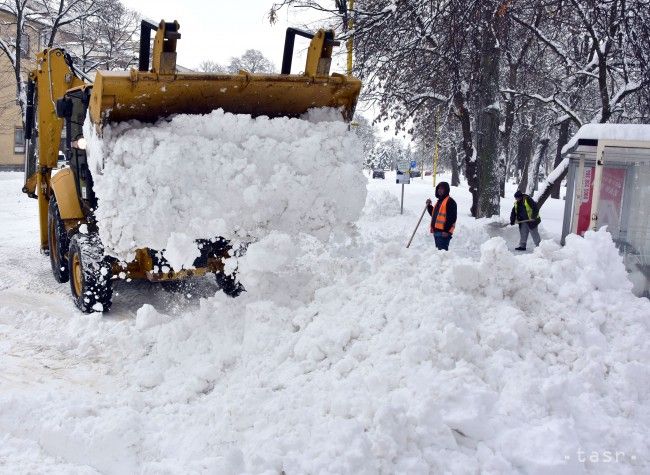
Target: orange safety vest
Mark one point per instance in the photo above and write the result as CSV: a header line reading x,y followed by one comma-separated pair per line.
x,y
441,217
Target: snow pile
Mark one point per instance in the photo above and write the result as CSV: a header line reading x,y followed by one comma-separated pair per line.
x,y
500,364
272,267
194,177
381,204
506,364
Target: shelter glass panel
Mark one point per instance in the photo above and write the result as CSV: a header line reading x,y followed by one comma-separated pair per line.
x,y
611,200
635,238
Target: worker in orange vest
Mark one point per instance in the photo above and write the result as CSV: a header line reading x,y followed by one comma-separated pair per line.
x,y
443,216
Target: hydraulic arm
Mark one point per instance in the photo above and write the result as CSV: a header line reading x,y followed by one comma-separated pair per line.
x,y
49,81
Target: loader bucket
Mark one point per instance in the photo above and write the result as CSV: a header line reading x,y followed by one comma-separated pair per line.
x,y
120,96
148,94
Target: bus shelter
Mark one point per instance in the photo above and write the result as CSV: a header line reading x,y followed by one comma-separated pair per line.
x,y
608,184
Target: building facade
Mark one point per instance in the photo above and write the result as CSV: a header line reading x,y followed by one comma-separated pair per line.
x,y
12,137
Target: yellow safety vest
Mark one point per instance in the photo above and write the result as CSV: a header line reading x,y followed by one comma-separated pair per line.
x,y
529,209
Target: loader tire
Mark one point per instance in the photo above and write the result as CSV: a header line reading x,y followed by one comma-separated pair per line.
x,y
57,240
90,274
229,284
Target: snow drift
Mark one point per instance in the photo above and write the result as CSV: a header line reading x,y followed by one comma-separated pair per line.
x,y
373,359
193,177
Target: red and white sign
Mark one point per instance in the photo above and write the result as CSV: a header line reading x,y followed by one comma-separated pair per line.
x,y
611,199
584,215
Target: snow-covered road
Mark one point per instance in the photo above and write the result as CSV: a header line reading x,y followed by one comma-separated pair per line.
x,y
41,361
361,357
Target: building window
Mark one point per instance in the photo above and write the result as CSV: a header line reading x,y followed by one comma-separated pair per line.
x,y
19,140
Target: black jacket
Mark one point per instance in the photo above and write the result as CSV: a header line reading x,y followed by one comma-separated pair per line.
x,y
519,213
442,191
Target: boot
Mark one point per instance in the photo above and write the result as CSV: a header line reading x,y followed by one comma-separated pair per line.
x,y
520,248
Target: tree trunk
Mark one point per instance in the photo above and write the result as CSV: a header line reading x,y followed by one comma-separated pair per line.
x,y
470,160
524,148
488,169
453,158
502,173
18,73
506,133
488,117
540,156
562,169
563,138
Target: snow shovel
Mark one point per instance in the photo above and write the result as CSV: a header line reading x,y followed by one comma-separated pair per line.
x,y
416,226
498,225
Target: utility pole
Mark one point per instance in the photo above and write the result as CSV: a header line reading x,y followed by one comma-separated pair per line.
x,y
350,43
434,171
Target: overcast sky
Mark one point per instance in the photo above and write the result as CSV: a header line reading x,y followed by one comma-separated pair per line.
x,y
221,29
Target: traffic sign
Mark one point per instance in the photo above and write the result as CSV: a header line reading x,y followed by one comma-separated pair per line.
x,y
402,178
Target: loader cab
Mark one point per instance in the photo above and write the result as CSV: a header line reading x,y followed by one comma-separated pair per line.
x,y
72,108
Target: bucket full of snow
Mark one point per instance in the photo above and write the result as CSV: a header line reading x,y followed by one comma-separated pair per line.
x,y
165,185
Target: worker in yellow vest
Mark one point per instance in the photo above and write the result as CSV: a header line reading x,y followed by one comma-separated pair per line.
x,y
525,213
443,216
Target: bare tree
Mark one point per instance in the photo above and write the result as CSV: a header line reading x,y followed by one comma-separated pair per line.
x,y
11,45
252,61
106,40
119,30
51,15
209,66
416,56
597,60
522,64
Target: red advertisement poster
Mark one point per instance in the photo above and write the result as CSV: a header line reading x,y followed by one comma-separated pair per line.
x,y
584,214
611,199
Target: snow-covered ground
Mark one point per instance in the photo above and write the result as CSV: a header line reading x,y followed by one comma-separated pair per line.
x,y
343,357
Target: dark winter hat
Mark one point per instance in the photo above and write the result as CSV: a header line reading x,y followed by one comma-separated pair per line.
x,y
518,194
444,187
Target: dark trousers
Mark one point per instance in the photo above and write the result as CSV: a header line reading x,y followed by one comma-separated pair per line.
x,y
442,242
524,229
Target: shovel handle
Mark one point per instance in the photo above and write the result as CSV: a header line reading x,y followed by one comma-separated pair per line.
x,y
416,226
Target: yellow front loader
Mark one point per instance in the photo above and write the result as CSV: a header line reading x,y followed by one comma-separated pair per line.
x,y
60,98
